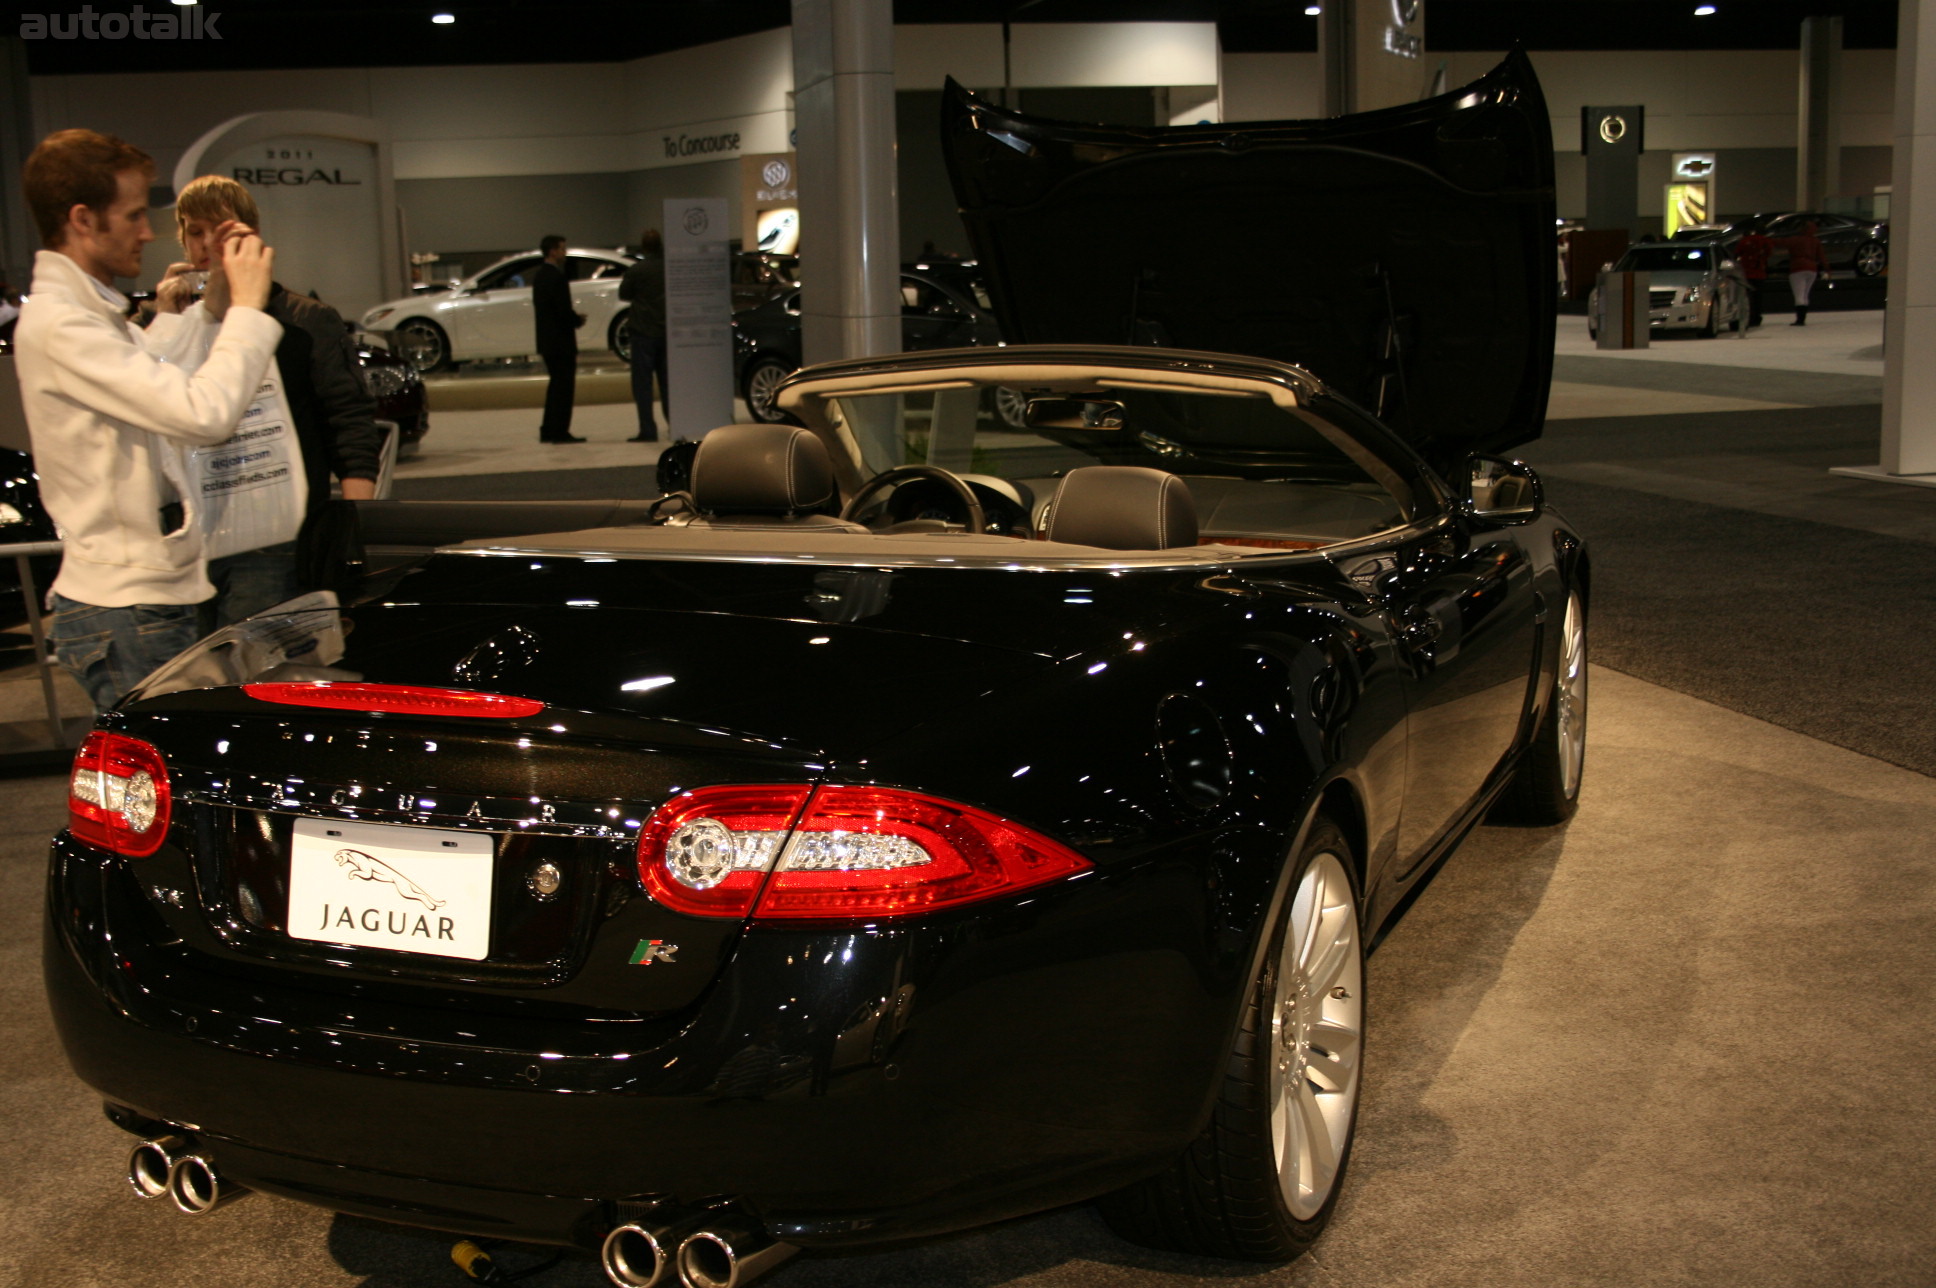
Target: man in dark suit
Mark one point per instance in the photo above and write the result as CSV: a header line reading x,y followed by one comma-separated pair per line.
x,y
558,325
643,287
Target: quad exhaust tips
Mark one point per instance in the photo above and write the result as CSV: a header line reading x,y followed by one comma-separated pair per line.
x,y
710,1248
150,1162
729,1254
198,1188
172,1165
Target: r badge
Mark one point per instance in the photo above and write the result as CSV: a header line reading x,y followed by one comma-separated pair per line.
x,y
654,950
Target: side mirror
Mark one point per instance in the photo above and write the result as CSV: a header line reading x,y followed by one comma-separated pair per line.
x,y
1501,491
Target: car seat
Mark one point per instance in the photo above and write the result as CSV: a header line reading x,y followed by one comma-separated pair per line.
x,y
764,476
1122,507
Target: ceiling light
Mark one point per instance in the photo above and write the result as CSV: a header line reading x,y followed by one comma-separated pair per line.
x,y
1703,10
1313,10
184,3
441,19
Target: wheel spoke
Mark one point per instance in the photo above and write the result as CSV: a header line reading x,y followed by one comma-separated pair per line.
x,y
1333,952
1334,1059
1319,1148
1287,1130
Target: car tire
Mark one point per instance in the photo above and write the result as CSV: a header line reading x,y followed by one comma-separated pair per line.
x,y
1712,327
1545,788
761,379
618,337
1262,1180
1871,257
423,344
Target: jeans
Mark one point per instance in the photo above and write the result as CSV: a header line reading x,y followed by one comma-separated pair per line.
x,y
247,583
111,650
648,357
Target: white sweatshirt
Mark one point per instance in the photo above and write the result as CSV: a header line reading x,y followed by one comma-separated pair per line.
x,y
110,421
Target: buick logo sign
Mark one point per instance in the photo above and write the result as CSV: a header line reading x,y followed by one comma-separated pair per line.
x,y
1613,128
776,173
695,221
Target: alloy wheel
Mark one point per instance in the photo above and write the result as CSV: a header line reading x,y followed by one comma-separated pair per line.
x,y
760,384
1316,1036
1871,258
1011,407
421,344
1571,697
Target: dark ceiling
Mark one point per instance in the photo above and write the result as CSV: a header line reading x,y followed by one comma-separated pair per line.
x,y
360,33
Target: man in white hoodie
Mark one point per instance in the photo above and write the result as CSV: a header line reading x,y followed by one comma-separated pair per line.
x,y
111,423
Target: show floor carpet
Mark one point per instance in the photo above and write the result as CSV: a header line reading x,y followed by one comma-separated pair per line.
x,y
1683,1041
1729,564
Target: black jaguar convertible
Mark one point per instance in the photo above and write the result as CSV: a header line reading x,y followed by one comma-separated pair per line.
x,y
901,827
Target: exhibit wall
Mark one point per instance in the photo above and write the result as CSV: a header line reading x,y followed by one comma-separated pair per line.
x,y
491,157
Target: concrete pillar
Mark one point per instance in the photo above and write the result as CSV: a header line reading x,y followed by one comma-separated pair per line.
x,y
1372,52
1337,46
1908,377
1818,113
1612,139
1909,380
19,239
850,236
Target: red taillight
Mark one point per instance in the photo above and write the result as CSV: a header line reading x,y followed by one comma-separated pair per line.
x,y
857,853
707,851
395,699
118,797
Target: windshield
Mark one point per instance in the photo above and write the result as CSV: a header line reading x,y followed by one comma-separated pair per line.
x,y
1666,258
1262,474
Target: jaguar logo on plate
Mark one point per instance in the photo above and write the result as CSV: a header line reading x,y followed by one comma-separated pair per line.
x,y
409,889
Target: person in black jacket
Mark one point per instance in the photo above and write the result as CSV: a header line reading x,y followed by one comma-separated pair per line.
x,y
334,411
643,287
558,325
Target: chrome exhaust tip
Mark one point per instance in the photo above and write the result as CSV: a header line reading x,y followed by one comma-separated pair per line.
x,y
198,1188
729,1253
150,1162
632,1256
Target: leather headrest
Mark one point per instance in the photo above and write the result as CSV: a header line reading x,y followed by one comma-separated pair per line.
x,y
1123,507
761,469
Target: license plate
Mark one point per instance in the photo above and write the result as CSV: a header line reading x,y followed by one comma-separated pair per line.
x,y
411,889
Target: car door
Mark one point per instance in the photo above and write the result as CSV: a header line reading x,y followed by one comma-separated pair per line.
x,y
1459,599
493,320
594,292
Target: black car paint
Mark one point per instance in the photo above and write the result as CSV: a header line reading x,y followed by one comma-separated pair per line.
x,y
951,1070
400,395
20,488
1413,269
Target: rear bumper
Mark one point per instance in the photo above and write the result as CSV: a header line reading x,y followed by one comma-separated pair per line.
x,y
919,1086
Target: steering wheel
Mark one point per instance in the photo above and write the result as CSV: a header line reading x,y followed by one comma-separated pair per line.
x,y
908,473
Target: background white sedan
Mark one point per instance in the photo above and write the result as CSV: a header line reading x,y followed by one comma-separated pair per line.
x,y
488,315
